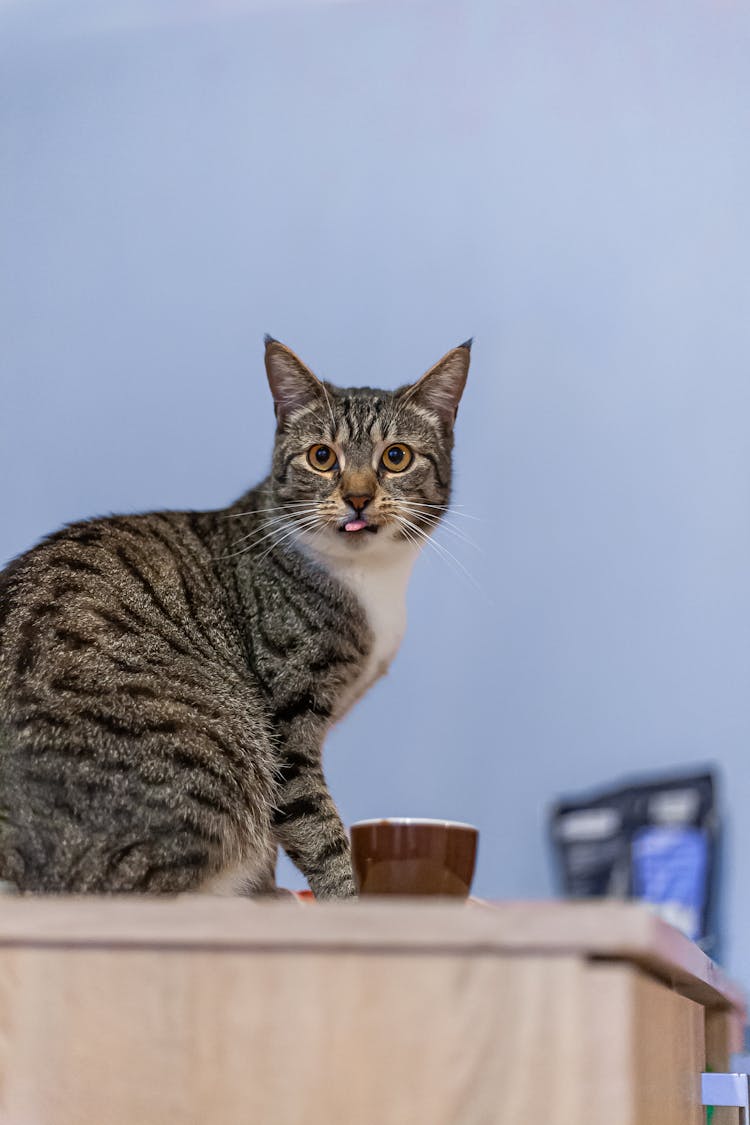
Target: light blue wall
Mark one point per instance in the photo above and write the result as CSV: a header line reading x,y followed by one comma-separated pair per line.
x,y
373,183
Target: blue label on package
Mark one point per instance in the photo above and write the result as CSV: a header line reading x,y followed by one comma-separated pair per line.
x,y
669,868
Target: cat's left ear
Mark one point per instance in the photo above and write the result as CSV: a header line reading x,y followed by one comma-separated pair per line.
x,y
440,389
292,384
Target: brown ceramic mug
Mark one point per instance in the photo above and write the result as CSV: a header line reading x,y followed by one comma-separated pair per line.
x,y
413,857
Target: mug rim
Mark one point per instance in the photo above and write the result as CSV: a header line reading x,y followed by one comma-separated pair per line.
x,y
434,822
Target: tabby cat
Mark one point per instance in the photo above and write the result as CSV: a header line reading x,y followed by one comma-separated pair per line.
x,y
167,679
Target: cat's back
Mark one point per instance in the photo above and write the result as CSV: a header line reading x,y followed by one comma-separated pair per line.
x,y
134,747
111,597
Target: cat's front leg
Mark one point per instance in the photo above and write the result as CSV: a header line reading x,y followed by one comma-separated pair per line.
x,y
308,827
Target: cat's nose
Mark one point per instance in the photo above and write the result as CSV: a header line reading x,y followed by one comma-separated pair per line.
x,y
359,503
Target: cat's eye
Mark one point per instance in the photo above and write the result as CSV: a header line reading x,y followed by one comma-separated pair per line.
x,y
322,458
397,457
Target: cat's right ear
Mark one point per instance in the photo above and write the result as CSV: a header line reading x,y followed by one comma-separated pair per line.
x,y
292,384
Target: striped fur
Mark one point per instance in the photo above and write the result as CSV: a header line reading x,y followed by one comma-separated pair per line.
x,y
167,679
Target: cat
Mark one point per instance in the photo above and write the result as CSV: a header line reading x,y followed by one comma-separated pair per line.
x,y
167,679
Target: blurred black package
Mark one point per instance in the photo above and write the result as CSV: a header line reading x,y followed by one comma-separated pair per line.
x,y
654,840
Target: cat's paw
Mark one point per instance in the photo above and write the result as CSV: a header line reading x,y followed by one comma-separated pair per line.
x,y
342,891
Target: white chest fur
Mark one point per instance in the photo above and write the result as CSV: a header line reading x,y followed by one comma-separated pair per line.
x,y
379,584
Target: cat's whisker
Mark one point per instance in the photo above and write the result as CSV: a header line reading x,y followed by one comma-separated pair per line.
x,y
277,508
323,425
434,522
287,526
436,512
286,508
242,551
456,532
306,525
275,519
449,557
260,533
409,536
452,508
296,521
283,521
426,539
330,411
437,509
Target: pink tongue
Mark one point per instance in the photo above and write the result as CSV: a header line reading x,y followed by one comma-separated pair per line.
x,y
355,525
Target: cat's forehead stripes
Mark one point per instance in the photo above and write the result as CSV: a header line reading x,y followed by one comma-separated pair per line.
x,y
363,413
365,416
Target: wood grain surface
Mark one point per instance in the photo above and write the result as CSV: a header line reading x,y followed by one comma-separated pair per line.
x,y
624,931
219,1011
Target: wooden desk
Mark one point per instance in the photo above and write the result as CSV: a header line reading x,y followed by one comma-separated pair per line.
x,y
205,1011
